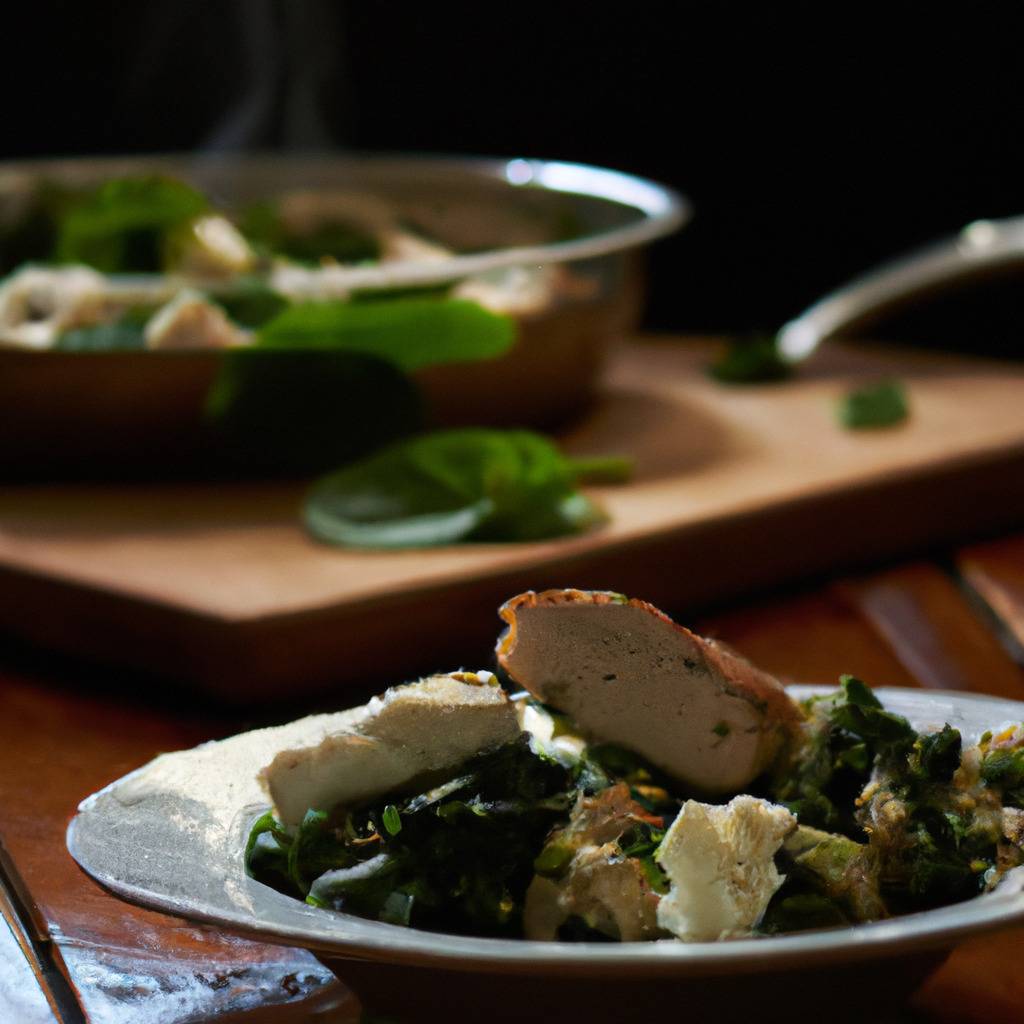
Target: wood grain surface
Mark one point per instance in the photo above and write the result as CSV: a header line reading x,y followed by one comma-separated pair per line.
x,y
125,964
952,619
219,585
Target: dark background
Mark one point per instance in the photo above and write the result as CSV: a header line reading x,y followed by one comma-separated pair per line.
x,y
814,140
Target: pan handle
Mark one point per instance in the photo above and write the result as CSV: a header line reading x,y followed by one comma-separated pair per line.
x,y
983,246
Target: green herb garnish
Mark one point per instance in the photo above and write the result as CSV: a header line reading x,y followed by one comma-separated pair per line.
x,y
874,405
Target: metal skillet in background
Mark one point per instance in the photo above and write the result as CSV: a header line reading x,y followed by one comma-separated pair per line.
x,y
172,835
110,411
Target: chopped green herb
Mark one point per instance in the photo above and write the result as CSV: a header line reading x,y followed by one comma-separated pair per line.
x,y
722,729
874,405
751,359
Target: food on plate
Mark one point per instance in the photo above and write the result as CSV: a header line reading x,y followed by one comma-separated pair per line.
x,y
557,812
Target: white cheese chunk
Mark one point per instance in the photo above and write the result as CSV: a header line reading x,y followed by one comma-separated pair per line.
x,y
190,321
355,755
720,863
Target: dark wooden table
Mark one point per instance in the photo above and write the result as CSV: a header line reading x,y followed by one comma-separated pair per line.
x,y
70,952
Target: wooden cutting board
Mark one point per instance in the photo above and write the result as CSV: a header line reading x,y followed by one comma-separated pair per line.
x,y
736,488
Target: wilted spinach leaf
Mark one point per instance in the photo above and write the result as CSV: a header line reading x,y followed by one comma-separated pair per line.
x,y
457,858
410,333
251,302
121,226
454,485
334,238
281,412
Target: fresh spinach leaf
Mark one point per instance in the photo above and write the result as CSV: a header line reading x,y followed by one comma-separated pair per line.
x,y
751,359
121,226
455,485
410,333
874,405
281,412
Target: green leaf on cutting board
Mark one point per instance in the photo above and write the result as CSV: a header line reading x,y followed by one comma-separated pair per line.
x,y
454,485
409,333
750,359
874,405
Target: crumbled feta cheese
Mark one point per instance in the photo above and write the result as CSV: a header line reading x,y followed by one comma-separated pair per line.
x,y
720,862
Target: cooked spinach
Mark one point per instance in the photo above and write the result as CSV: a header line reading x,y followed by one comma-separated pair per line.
x,y
334,238
280,412
874,405
456,858
791,910
411,333
866,772
122,226
250,302
842,735
471,484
